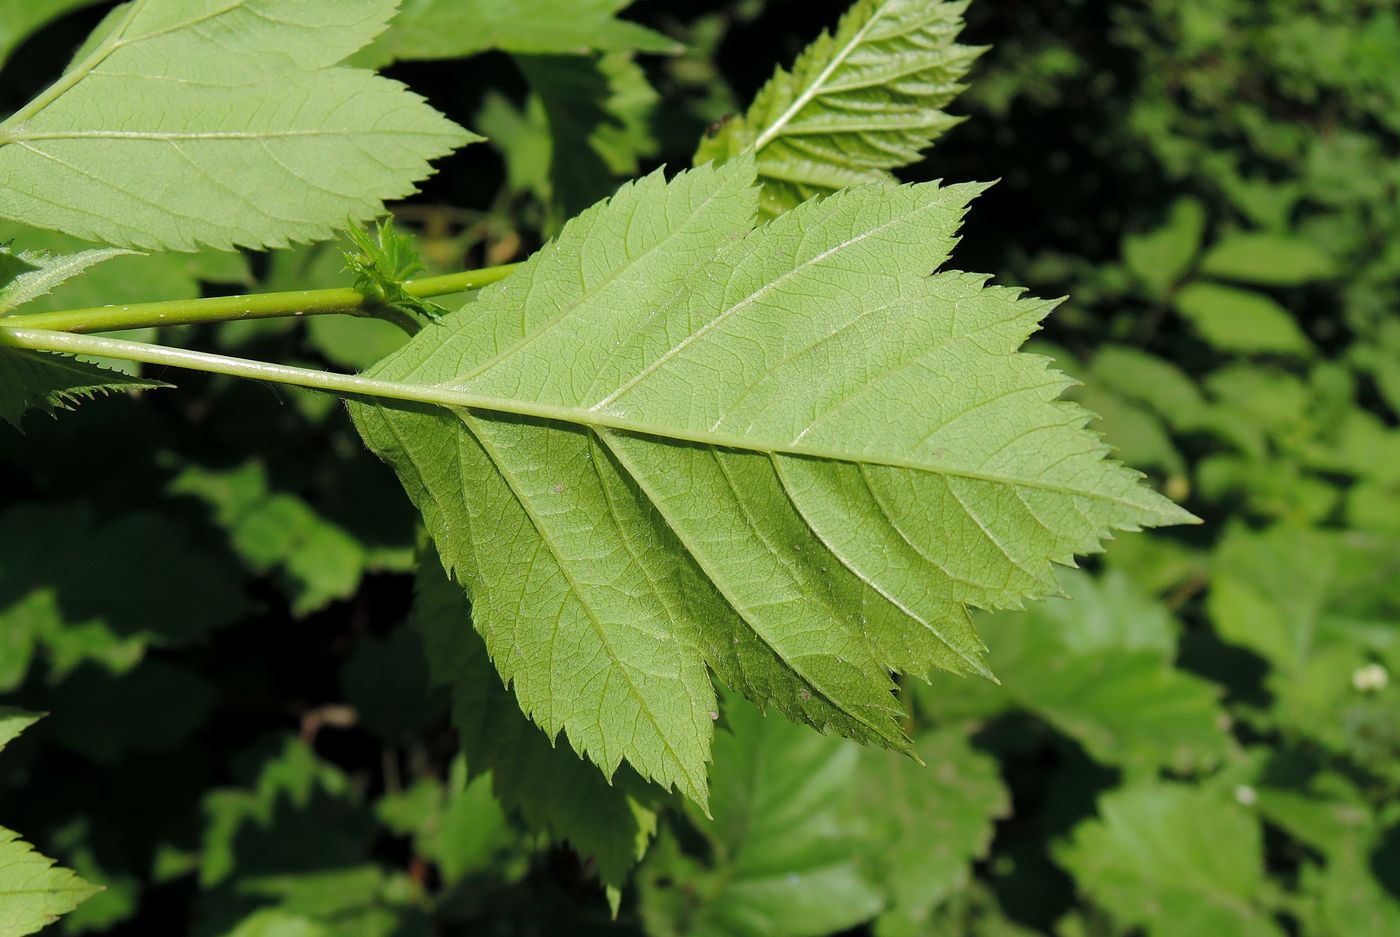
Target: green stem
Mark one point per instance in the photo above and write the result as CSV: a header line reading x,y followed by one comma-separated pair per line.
x,y
74,344
446,395
343,301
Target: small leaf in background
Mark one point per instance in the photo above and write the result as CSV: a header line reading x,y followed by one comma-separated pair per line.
x,y
47,271
1268,260
457,824
449,29
857,103
1316,605
315,560
1174,860
1099,669
152,138
522,137
922,825
597,112
14,721
1239,320
1160,258
784,862
154,586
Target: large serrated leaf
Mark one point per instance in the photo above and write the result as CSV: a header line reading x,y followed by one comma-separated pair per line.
x,y
858,102
552,788
783,454
204,122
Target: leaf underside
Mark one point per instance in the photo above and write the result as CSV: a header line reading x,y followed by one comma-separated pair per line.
x,y
857,103
35,380
551,787
209,122
783,454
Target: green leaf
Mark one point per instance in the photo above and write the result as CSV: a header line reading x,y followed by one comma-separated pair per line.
x,y
633,492
459,825
13,722
552,788
923,824
813,835
21,18
382,262
449,29
1160,258
597,112
132,278
275,923
220,124
1240,320
33,891
298,814
1099,669
857,103
1344,897
47,271
522,136
1174,860
151,585
1317,605
35,380
1268,259
13,265
313,559
1152,381
784,863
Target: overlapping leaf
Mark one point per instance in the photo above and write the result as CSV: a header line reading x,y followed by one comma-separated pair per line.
x,y
1099,669
1173,860
203,122
44,272
857,103
445,29
552,788
812,835
783,454
20,18
34,380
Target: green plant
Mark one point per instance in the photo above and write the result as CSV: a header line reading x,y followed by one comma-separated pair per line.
x,y
730,423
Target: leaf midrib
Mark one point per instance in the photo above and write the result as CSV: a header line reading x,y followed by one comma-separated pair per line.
x,y
452,398
775,129
561,557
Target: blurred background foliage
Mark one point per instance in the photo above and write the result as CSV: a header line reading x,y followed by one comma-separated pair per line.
x,y
214,604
